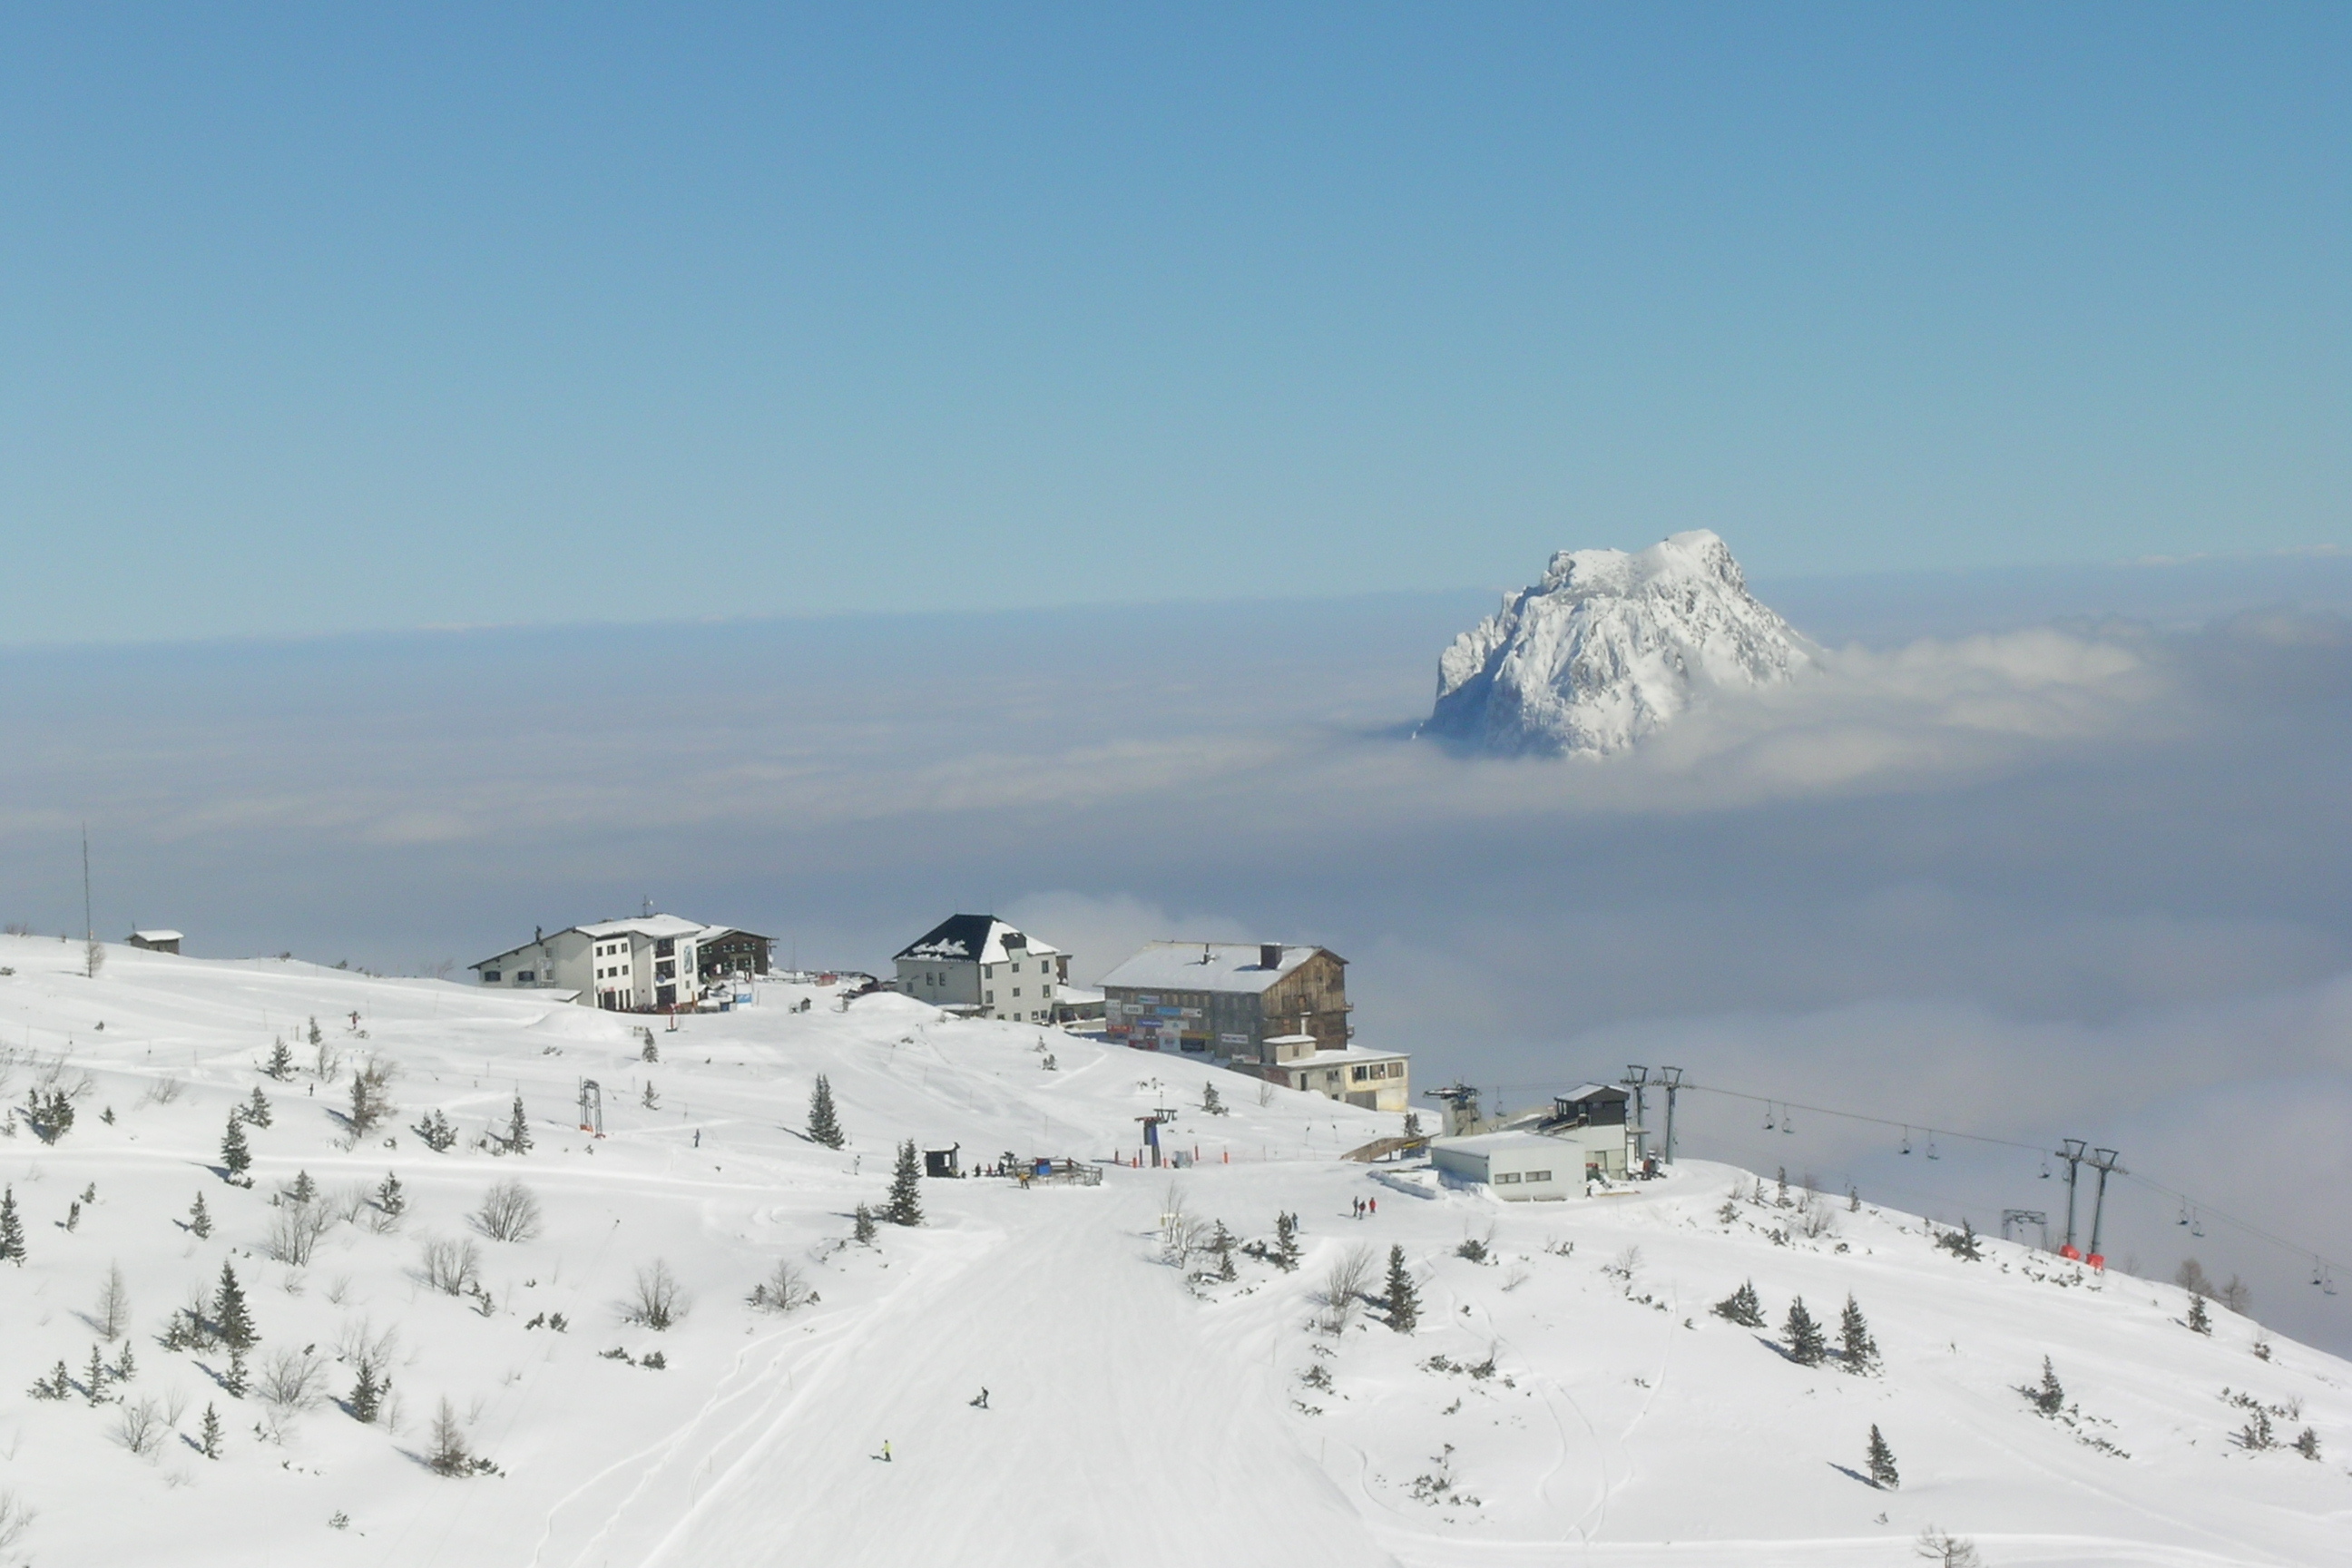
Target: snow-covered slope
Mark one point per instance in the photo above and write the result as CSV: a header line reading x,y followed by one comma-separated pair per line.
x,y
1571,1399
1609,647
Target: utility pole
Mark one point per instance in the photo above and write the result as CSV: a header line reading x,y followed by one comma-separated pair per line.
x,y
1673,1078
2102,1161
1637,1078
89,926
2074,1151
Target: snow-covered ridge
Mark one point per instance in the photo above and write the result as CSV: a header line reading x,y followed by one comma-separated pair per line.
x,y
1567,1394
1608,648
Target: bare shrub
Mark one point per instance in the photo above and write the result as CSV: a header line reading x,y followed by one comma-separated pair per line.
x,y
349,1202
1514,1276
783,1291
450,1267
15,1519
362,1344
1344,1283
162,1091
140,1428
295,1230
509,1212
292,1380
1816,1216
658,1301
1182,1233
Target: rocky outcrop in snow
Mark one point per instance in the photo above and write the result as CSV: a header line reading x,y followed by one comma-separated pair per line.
x,y
1609,646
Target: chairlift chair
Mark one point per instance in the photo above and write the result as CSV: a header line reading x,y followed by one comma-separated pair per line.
x,y
1906,1140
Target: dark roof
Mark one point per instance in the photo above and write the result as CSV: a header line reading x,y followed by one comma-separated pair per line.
x,y
1592,1091
964,937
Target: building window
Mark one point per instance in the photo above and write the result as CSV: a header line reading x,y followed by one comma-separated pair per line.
x,y
523,977
1507,1178
1016,990
664,947
490,977
989,997
1538,1176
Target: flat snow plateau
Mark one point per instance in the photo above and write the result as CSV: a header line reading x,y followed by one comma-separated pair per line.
x,y
1572,1400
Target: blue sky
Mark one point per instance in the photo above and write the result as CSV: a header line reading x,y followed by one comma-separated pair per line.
x,y
317,319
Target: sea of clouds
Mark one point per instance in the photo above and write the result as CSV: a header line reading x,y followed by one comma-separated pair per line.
x,y
2031,855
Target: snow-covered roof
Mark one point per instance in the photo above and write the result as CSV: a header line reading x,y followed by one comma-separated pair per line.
x,y
973,939
1344,1054
644,925
1207,966
655,926
1492,1144
156,936
1589,1090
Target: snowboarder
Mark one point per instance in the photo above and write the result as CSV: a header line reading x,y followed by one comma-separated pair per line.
x,y
981,1403
886,1450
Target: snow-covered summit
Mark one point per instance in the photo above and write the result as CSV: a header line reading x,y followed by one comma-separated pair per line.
x,y
1609,646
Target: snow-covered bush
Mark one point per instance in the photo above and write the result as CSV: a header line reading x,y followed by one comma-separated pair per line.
x,y
658,1301
1344,1284
294,1231
509,1212
292,1380
783,1291
450,1267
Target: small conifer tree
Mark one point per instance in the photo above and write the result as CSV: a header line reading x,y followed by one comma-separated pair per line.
x,y
1210,1101
367,1395
447,1453
368,1105
1285,1241
303,1190
1883,1474
231,1320
651,1100
211,1445
256,1110
281,1061
1806,1346
93,1377
315,1037
905,1204
234,1379
12,1229
1404,1303
1857,1350
824,1122
2049,1396
518,1128
388,1196
126,1366
236,1158
2200,1322
2306,1443
114,1313
1221,1244
862,1225
1741,1306
200,1220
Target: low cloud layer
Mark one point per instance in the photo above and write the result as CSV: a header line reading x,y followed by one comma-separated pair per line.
x,y
2083,876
